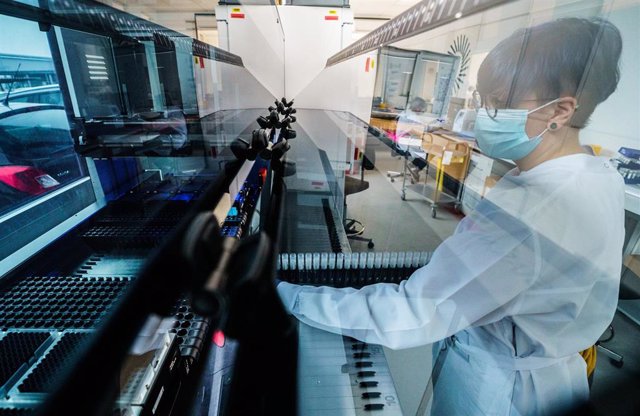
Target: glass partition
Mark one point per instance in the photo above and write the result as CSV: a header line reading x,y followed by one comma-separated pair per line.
x,y
433,82
452,202
486,152
40,170
394,80
112,129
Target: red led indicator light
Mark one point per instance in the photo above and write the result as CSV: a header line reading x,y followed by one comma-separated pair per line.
x,y
218,338
263,174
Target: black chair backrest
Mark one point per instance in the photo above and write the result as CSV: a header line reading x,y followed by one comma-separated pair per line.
x,y
629,285
369,158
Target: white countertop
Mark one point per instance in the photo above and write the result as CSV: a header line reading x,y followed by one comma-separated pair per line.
x,y
632,198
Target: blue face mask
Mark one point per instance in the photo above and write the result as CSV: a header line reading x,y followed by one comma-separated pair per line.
x,y
504,136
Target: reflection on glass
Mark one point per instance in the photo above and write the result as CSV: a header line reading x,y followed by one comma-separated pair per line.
x,y
92,69
254,31
395,72
517,291
418,81
410,218
432,82
152,114
36,149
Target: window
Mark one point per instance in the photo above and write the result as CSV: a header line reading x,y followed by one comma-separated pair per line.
x,y
42,179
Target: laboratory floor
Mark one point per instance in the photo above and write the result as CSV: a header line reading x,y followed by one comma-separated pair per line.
x,y
392,223
614,388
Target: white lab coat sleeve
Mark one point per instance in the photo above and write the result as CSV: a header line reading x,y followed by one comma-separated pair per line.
x,y
473,278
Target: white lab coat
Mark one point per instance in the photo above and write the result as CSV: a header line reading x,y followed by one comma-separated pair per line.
x,y
527,281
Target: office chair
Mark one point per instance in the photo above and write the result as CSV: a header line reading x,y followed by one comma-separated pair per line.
x,y
353,227
629,290
396,151
386,135
616,359
406,128
413,167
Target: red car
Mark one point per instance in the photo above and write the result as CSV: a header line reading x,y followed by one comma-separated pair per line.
x,y
36,152
27,179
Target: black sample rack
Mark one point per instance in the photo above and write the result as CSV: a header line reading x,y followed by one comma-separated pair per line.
x,y
50,309
47,371
18,351
67,302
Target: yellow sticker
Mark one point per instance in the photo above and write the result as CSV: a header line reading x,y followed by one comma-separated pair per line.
x,y
333,12
373,64
236,10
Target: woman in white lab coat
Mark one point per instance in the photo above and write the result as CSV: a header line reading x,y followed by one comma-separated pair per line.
x,y
530,278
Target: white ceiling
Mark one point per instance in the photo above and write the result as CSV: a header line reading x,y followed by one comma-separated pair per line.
x,y
361,8
155,6
179,14
380,8
369,14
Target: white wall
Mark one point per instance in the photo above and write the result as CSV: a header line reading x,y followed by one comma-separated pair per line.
x,y
616,122
257,38
295,67
346,86
240,89
209,36
310,41
223,86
